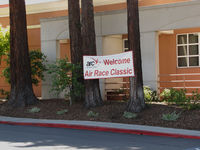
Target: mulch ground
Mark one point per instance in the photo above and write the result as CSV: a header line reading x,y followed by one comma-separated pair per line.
x,y
111,111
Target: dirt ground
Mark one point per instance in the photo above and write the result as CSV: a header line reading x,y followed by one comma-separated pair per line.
x,y
111,111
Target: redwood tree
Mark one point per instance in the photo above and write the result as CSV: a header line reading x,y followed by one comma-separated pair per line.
x,y
92,90
136,102
75,44
21,93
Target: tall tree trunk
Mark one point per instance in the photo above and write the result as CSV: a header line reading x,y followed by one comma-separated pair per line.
x,y
92,90
75,44
136,102
21,84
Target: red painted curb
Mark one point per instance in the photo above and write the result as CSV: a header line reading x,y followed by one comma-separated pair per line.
x,y
105,129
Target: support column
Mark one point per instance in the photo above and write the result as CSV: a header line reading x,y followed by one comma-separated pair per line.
x,y
149,58
49,48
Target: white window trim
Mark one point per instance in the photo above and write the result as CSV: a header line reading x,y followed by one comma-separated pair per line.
x,y
187,56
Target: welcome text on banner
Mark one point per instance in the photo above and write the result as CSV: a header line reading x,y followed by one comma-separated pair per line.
x,y
110,66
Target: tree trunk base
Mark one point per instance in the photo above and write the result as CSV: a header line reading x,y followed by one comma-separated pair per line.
x,y
22,98
133,107
92,94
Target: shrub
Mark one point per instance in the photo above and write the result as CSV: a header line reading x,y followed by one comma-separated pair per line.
x,y
4,93
173,96
37,60
150,95
61,74
92,114
4,41
193,101
179,98
171,116
129,115
36,57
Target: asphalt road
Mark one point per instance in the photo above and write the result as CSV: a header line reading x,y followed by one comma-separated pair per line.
x,y
40,138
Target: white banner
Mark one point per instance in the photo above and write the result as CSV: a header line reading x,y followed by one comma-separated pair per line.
x,y
110,66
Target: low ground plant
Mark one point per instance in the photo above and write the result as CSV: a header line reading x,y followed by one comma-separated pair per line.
x,y
171,116
92,114
34,110
61,112
129,115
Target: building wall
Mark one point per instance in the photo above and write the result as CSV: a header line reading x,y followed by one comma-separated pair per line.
x,y
168,61
34,40
112,44
113,23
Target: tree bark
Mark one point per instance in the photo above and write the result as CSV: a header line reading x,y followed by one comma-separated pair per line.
x,y
21,93
92,90
75,44
136,102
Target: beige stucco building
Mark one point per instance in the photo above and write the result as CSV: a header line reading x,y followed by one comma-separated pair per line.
x,y
170,33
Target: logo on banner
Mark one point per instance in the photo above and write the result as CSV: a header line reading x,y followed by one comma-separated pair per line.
x,y
92,63
119,65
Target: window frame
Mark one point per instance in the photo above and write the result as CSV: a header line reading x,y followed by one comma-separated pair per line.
x,y
124,48
187,56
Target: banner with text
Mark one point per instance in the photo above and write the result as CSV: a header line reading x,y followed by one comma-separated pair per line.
x,y
110,66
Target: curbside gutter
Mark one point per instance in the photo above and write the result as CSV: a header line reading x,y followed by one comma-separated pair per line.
x,y
104,127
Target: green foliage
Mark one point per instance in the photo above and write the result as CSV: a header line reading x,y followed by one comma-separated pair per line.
x,y
36,57
4,93
193,101
4,41
34,110
173,96
61,74
150,95
129,115
178,97
171,116
92,114
37,60
61,112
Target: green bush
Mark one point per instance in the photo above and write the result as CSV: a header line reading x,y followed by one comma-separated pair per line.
x,y
193,101
4,41
61,75
178,97
36,57
171,116
129,115
4,93
92,114
37,60
173,96
150,95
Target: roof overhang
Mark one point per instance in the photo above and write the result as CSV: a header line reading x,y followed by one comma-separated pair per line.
x,y
53,6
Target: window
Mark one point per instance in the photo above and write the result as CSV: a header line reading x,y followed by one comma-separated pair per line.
x,y
125,45
188,50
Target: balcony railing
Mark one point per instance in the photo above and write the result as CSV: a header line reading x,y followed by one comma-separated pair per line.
x,y
189,81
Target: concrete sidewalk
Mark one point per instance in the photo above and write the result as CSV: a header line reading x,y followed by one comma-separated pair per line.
x,y
103,126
